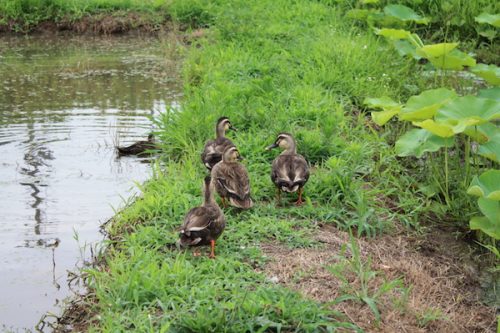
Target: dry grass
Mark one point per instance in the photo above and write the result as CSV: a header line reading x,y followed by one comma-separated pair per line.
x,y
432,266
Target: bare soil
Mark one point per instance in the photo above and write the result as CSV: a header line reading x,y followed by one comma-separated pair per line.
x,y
441,280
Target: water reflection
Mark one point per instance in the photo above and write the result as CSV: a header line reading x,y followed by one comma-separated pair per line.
x,y
64,104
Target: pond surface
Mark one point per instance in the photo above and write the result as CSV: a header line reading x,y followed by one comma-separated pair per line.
x,y
65,102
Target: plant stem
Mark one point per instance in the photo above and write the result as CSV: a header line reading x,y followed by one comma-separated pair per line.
x,y
467,161
446,173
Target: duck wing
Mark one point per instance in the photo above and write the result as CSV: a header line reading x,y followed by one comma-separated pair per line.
x,y
212,152
199,224
232,181
290,172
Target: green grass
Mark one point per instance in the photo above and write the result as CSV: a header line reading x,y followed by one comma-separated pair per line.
x,y
270,66
25,15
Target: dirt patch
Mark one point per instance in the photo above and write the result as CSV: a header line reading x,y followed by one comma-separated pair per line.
x,y
444,287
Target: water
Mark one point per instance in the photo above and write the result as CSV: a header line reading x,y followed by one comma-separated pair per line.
x,y
64,103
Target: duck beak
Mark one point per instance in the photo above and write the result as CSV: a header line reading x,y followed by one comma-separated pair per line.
x,y
239,158
232,128
274,145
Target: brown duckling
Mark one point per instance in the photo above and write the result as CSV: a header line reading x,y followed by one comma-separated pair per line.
x,y
231,180
138,148
203,225
289,171
212,153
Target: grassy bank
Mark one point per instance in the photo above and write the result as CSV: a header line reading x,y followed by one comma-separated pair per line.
x,y
96,16
273,66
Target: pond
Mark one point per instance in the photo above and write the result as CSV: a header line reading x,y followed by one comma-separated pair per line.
x,y
65,102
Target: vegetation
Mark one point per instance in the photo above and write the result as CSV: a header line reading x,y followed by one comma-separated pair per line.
x,y
300,67
26,15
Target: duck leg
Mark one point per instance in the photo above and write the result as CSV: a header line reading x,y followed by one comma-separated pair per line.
x,y
212,249
224,203
299,200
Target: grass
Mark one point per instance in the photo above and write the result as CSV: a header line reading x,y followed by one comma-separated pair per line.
x,y
26,15
270,66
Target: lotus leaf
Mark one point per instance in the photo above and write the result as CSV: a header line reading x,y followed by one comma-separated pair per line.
x,y
405,48
440,129
393,33
382,117
405,14
416,142
482,133
487,185
436,50
488,33
490,73
490,223
425,105
492,19
383,102
492,93
455,60
491,149
467,111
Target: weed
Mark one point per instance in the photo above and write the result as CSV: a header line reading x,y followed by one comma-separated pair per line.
x,y
362,289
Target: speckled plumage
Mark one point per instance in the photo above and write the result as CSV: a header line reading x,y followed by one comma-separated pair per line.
x,y
203,225
231,180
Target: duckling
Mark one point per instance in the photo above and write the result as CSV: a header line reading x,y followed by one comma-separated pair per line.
x,y
289,171
231,180
212,153
138,148
203,225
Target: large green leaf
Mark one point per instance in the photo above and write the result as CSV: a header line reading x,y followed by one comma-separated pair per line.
x,y
382,117
482,133
492,19
491,149
389,106
405,48
487,185
485,225
416,142
393,33
425,105
436,50
455,60
490,73
468,110
404,14
383,102
490,223
492,93
443,130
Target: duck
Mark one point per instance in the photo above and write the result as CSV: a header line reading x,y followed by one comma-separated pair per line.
x,y
212,152
231,180
289,171
138,148
204,224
